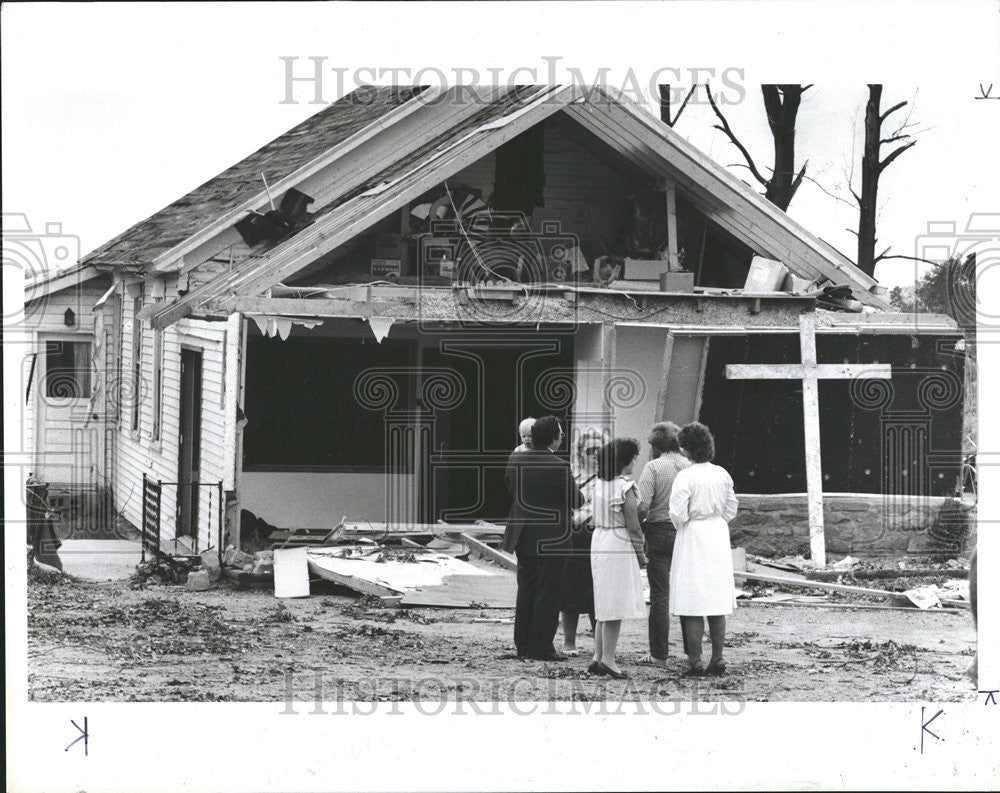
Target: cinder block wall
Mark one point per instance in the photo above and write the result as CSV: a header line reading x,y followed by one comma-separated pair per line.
x,y
855,523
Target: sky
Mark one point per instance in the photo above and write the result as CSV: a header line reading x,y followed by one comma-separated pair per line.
x,y
112,111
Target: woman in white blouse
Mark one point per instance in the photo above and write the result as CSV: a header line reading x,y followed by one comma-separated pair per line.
x,y
702,502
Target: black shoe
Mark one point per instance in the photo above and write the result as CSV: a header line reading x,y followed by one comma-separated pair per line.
x,y
607,670
551,656
595,668
716,670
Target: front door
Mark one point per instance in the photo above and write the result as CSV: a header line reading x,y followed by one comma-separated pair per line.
x,y
189,445
69,441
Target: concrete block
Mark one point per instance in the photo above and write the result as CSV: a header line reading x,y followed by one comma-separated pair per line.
x,y
210,562
198,580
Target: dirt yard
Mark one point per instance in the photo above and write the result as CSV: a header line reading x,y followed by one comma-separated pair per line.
x,y
113,642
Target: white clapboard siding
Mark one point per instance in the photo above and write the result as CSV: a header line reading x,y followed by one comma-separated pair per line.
x,y
139,453
47,315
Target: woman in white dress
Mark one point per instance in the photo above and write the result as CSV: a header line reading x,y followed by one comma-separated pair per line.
x,y
616,553
702,502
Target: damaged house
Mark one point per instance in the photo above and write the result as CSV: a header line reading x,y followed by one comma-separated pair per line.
x,y
353,320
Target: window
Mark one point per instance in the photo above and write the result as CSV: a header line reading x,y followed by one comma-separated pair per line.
x,y
136,358
157,383
67,369
301,406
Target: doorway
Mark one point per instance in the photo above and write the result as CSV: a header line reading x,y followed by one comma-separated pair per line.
x,y
189,444
505,380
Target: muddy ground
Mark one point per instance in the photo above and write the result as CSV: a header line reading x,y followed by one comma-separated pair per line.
x,y
115,642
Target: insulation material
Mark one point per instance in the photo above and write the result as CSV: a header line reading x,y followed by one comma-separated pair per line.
x,y
282,326
380,327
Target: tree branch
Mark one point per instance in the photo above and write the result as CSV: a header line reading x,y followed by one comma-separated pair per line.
x,y
888,160
910,258
890,111
797,181
725,128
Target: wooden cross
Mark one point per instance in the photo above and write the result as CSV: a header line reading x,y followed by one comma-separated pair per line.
x,y
810,372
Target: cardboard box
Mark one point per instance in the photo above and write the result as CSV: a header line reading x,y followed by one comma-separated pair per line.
x,y
644,269
383,268
766,275
676,282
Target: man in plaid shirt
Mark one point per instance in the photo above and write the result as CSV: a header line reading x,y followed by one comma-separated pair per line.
x,y
655,483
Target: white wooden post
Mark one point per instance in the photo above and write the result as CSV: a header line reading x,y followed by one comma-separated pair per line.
x,y
810,417
673,263
810,372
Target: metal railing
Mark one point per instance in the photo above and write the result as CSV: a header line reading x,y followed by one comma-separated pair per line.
x,y
152,495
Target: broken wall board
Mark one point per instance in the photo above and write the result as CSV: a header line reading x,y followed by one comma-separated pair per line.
x,y
465,591
356,567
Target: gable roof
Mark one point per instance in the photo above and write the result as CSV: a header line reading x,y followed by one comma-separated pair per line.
x,y
457,138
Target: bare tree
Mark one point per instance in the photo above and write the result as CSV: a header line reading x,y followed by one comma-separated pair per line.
x,y
872,166
665,99
781,102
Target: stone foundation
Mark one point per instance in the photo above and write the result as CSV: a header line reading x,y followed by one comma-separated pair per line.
x,y
856,523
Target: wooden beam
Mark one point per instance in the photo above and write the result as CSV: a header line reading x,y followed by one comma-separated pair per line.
x,y
814,465
701,379
673,263
796,371
486,552
827,587
661,397
311,307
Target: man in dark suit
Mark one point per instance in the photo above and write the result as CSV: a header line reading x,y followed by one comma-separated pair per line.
x,y
538,531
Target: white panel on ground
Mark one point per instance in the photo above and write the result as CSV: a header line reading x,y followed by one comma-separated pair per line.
x,y
291,573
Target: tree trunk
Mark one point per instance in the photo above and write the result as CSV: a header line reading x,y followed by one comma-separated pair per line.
x,y
782,105
665,104
870,169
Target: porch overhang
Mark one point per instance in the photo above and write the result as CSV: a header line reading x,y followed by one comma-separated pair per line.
x,y
469,306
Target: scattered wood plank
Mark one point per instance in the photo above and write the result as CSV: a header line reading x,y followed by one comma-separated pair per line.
x,y
397,530
916,572
827,587
484,551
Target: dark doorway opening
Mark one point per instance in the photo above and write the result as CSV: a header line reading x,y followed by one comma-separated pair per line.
x,y
506,380
189,446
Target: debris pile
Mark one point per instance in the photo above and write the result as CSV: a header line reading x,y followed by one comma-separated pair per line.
x,y
920,584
